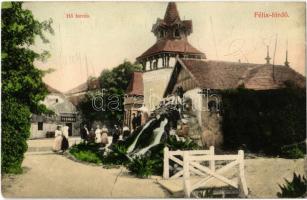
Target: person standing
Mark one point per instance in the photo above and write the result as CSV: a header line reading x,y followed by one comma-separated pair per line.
x,y
104,130
104,136
84,133
134,121
65,131
104,139
98,134
116,134
139,119
57,140
65,143
92,136
126,132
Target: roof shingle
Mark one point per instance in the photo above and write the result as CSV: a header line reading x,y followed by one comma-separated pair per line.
x,y
135,86
227,75
172,46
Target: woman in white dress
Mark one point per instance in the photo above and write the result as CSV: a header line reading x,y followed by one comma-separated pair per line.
x,y
98,134
58,139
65,131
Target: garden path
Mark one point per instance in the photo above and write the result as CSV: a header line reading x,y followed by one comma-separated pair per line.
x,y
50,175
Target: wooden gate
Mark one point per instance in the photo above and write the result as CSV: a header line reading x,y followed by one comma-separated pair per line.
x,y
191,165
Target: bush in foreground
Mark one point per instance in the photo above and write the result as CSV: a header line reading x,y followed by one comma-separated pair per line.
x,y
15,131
118,155
294,189
141,166
87,152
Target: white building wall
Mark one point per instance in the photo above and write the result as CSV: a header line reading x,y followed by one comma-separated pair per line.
x,y
35,133
154,86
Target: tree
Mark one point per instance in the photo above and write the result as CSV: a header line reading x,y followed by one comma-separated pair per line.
x,y
22,85
113,83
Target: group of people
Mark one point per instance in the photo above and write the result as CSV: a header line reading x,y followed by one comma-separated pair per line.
x,y
136,120
101,135
61,143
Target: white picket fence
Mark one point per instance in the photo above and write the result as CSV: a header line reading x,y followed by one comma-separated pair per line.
x,y
191,164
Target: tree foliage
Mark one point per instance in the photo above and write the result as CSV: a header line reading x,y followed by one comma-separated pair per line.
x,y
114,84
265,121
22,85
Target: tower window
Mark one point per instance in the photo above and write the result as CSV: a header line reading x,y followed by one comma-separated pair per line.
x,y
177,33
161,34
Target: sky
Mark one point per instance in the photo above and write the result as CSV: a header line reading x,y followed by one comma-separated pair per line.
x,y
112,32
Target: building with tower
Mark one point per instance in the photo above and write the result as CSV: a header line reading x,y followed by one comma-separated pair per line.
x,y
171,42
172,63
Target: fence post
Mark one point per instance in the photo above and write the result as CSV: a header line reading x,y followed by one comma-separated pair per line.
x,y
186,174
212,161
241,175
166,163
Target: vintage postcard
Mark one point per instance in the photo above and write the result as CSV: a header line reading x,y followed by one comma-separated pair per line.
x,y
148,99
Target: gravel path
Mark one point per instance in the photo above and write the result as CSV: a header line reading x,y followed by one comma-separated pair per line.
x,y
50,175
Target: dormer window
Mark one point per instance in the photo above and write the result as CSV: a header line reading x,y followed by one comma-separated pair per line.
x,y
177,33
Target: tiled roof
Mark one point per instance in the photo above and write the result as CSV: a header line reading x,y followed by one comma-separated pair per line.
x,y
172,46
75,100
227,75
91,84
80,88
135,86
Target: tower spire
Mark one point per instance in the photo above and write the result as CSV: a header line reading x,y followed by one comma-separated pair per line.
x,y
286,62
268,58
171,13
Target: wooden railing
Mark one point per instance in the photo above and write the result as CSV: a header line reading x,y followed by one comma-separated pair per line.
x,y
190,161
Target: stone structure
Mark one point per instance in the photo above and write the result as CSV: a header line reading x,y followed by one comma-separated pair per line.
x,y
65,113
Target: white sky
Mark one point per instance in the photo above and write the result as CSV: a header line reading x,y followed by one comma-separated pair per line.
x,y
116,31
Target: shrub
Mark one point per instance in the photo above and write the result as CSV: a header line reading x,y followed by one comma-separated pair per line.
x,y
141,166
294,189
87,152
294,151
264,121
15,131
87,156
174,144
117,156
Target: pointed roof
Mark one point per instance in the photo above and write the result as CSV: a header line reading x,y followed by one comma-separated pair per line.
x,y
169,43
171,14
169,46
135,86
